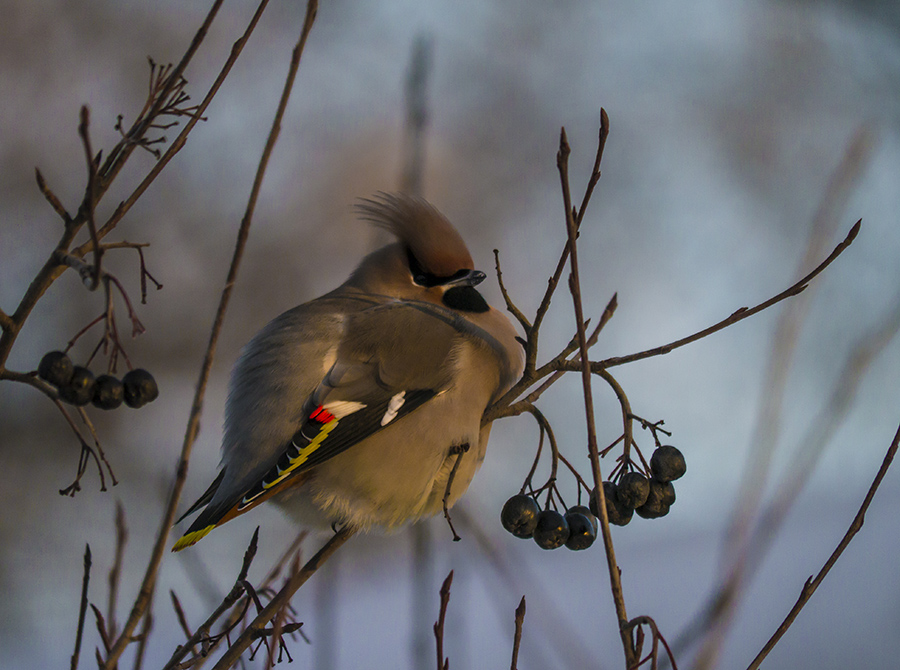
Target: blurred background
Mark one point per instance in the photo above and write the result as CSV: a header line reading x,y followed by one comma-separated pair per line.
x,y
727,121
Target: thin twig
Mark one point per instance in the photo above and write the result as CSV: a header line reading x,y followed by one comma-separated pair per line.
x,y
627,416
51,197
510,305
738,315
282,597
182,618
149,582
445,502
143,637
115,572
593,453
517,637
443,663
238,590
90,195
83,609
724,600
813,583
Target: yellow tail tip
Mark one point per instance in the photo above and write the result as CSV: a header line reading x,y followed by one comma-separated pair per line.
x,y
190,539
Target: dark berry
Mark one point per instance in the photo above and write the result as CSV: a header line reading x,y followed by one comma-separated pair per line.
x,y
140,388
667,464
582,531
55,368
108,393
618,513
80,388
520,515
584,509
551,531
662,495
633,489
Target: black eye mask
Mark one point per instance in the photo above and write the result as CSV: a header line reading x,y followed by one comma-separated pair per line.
x,y
426,279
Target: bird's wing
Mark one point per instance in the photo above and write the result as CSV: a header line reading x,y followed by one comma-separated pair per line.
x,y
393,359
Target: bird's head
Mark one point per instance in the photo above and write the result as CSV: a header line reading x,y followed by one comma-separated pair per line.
x,y
428,262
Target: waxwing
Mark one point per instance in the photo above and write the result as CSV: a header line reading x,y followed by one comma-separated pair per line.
x,y
354,407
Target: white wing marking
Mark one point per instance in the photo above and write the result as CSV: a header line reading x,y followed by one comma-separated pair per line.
x,y
342,408
393,407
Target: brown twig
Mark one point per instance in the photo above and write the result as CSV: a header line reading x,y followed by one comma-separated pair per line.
x,y
282,597
443,663
149,582
657,637
52,269
517,637
115,573
50,196
723,601
201,635
615,579
531,349
461,449
813,583
143,637
510,305
736,316
82,611
90,195
182,619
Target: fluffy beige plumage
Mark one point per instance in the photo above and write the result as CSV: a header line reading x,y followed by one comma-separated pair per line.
x,y
355,406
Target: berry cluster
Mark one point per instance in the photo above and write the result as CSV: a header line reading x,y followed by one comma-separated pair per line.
x,y
651,497
78,386
577,528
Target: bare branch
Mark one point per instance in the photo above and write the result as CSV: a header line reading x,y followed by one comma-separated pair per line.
x,y
517,638
531,350
283,596
149,582
593,453
738,315
83,609
115,572
90,195
50,196
510,306
443,663
813,583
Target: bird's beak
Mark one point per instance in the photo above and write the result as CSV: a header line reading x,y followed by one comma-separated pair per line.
x,y
471,278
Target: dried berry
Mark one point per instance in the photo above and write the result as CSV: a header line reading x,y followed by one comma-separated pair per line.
x,y
667,463
520,515
56,368
140,388
618,513
582,531
662,495
80,388
633,489
109,392
551,531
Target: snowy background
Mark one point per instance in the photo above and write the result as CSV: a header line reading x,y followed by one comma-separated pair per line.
x,y
727,119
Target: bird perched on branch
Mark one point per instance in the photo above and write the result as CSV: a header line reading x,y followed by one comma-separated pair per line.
x,y
364,406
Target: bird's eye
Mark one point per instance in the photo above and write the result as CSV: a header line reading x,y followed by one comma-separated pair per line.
x,y
424,278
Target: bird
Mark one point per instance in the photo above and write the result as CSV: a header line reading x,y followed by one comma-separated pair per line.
x,y
364,406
